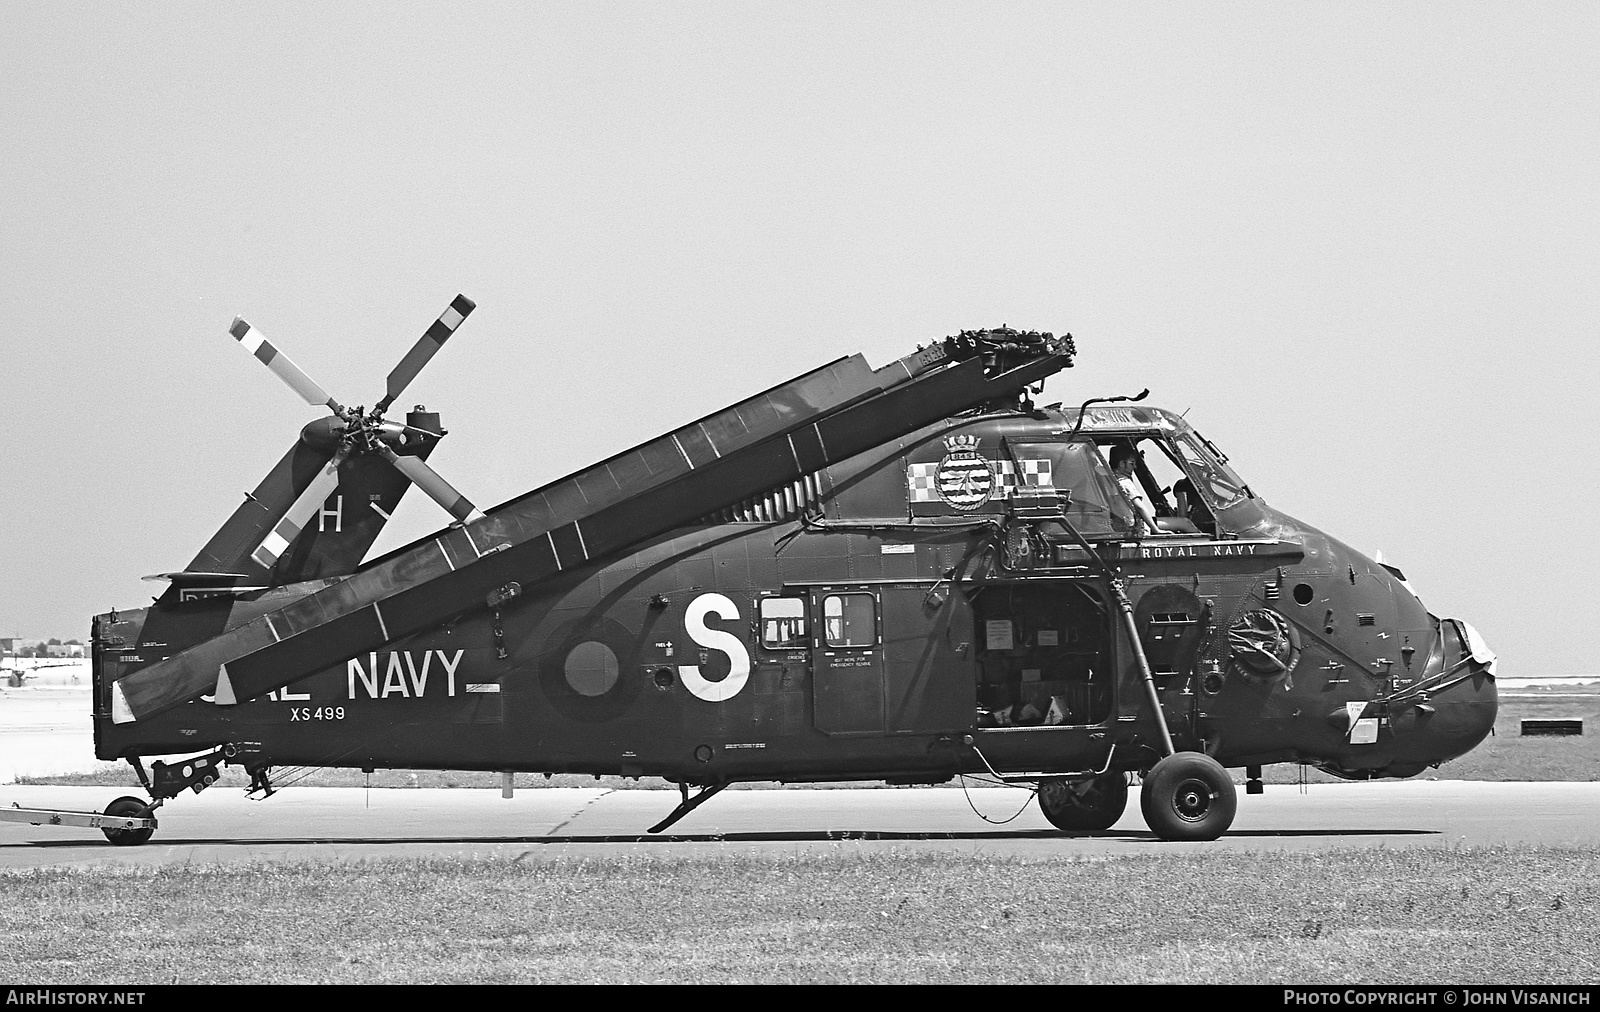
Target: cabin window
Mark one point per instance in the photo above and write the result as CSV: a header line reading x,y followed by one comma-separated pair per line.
x,y
783,623
850,620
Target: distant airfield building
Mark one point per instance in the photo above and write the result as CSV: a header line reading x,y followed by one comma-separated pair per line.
x,y
17,646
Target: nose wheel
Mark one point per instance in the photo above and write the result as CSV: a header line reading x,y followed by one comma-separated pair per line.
x,y
1188,796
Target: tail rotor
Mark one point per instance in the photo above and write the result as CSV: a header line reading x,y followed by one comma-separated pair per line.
x,y
352,432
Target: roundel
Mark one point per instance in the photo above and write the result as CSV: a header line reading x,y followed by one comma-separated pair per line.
x,y
964,479
591,668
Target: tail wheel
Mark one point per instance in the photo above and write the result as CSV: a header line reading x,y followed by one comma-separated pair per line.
x,y
128,808
1188,796
1075,806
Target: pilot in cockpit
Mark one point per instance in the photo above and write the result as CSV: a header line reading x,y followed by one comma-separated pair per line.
x,y
1124,458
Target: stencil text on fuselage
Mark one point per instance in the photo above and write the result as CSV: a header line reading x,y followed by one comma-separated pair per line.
x,y
406,674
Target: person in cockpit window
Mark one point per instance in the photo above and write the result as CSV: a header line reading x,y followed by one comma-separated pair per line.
x,y
1123,460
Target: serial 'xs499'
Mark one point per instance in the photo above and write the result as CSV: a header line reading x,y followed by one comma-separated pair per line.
x,y
902,574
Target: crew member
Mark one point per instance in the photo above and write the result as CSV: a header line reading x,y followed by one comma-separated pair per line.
x,y
1123,460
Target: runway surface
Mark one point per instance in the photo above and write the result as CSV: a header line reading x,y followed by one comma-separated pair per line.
x,y
352,824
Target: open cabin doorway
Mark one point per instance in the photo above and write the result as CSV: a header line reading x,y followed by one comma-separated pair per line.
x,y
1044,655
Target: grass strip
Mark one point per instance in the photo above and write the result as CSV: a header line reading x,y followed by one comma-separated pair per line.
x,y
1413,916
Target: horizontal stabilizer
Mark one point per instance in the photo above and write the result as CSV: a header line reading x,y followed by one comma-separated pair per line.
x,y
189,578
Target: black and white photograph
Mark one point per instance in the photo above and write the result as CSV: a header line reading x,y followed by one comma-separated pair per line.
x,y
746,492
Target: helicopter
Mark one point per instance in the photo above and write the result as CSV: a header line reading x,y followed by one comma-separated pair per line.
x,y
904,574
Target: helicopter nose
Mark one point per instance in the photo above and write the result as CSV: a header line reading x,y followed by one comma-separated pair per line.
x,y
1452,708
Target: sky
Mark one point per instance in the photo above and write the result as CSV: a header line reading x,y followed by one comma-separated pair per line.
x,y
1356,242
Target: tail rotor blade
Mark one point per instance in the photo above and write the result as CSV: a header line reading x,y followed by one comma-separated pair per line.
x,y
425,348
282,536
256,344
437,489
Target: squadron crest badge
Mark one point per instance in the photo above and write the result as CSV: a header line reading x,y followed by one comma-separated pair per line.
x,y
964,480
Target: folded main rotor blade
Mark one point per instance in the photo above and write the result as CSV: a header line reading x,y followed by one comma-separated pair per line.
x,y
460,307
437,489
256,344
282,536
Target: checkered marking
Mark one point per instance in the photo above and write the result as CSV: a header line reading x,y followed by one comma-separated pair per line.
x,y
922,483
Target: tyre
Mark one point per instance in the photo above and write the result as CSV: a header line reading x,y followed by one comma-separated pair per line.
x,y
1188,796
1076,806
128,808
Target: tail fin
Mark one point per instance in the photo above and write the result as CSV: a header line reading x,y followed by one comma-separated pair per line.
x,y
315,515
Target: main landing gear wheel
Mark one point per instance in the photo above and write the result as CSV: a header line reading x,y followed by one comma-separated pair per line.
x,y
1075,806
128,808
1188,796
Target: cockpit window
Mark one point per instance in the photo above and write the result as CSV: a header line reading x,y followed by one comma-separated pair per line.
x,y
1163,480
1219,486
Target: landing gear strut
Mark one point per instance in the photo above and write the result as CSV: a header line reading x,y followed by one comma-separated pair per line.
x,y
687,805
164,782
194,774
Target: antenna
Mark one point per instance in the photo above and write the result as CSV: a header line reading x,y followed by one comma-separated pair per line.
x,y
1141,395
